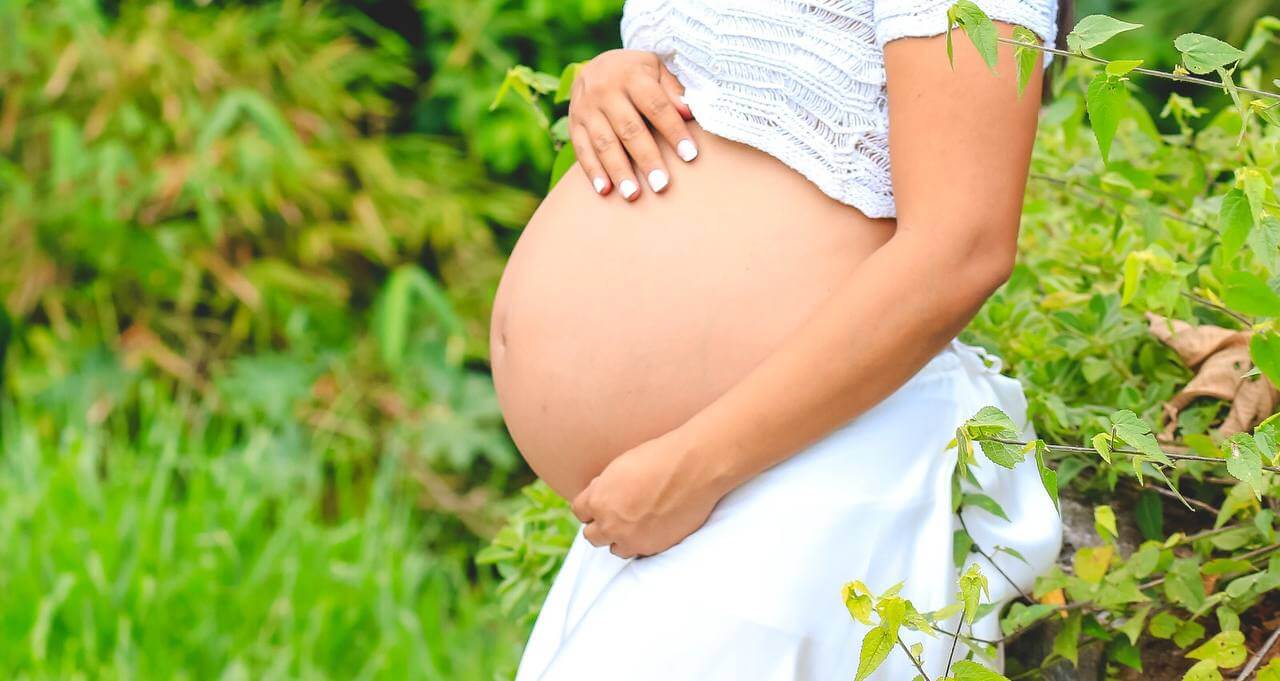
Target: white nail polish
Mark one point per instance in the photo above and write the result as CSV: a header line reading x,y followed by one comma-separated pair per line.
x,y
687,150
628,188
598,183
658,180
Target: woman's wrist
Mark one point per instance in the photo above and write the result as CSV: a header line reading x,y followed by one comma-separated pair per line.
x,y
705,459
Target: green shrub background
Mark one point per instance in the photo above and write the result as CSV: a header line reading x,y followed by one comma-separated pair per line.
x,y
246,257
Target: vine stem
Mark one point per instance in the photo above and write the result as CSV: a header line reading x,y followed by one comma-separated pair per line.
x,y
1123,450
1220,308
955,639
1185,78
1257,657
991,559
913,659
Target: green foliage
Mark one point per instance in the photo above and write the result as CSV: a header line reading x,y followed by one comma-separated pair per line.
x,y
247,428
162,543
527,551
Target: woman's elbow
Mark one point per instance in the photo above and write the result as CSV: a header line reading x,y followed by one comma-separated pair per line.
x,y
988,262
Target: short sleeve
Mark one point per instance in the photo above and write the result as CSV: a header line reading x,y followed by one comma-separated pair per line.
x,y
918,18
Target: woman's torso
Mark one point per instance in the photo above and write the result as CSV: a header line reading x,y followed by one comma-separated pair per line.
x,y
615,322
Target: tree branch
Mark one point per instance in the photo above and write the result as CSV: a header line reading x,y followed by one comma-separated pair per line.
x,y
1185,78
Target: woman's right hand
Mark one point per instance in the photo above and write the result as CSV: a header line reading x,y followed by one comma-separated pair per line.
x,y
612,97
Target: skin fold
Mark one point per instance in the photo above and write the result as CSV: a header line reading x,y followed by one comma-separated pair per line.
x,y
651,356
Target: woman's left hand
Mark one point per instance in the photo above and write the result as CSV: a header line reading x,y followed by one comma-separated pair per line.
x,y
648,499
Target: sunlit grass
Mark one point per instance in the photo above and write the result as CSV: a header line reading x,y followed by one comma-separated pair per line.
x,y
160,544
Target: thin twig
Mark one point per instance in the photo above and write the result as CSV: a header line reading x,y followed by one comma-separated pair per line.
x,y
1123,450
1257,657
1146,72
913,659
1194,502
955,639
1224,310
992,560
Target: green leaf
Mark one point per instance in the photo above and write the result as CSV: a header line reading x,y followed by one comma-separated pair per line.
x,y
1204,670
565,159
1095,30
1205,54
1067,642
1164,625
968,670
1225,649
1104,523
1025,59
990,423
1264,348
1102,445
1137,434
977,25
1235,219
1122,67
1264,241
961,545
857,598
1182,584
1106,101
1133,266
876,646
972,585
1149,515
1247,293
565,87
985,503
1048,476
1132,627
1244,462
1091,562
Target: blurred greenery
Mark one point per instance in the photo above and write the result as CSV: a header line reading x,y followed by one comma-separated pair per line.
x,y
247,251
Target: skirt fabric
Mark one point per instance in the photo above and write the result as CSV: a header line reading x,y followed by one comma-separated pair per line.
x,y
756,592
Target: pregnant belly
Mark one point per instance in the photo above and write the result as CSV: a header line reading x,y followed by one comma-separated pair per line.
x,y
615,322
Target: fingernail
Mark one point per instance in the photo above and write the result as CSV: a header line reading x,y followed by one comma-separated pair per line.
x,y
598,183
658,180
687,150
628,188
683,100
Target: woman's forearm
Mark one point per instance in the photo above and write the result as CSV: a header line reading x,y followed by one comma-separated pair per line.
x,y
896,311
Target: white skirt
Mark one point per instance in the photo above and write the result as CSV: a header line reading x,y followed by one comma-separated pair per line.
x,y
756,592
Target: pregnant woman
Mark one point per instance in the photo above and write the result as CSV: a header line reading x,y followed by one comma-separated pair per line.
x,y
728,335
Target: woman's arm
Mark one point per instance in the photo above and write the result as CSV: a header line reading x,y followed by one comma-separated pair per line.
x,y
960,144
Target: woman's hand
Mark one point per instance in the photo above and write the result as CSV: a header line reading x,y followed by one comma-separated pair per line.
x,y
613,95
648,499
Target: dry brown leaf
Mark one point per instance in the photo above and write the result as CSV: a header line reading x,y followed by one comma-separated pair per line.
x,y
1220,358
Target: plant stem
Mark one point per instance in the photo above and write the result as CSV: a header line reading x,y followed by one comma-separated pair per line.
x,y
1194,502
1185,78
954,640
1257,657
1210,304
992,560
1123,450
913,659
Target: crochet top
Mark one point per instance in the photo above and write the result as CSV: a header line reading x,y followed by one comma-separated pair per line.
x,y
803,80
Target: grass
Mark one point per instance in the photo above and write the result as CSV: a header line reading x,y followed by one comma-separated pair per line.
x,y
160,542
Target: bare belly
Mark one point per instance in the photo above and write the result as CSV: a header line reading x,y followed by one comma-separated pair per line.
x,y
615,322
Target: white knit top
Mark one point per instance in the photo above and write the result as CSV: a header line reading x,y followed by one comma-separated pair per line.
x,y
803,80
